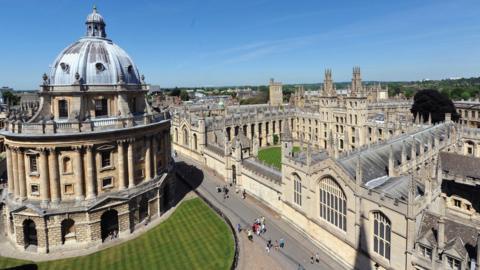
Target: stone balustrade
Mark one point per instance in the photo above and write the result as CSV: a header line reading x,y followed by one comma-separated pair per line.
x,y
66,127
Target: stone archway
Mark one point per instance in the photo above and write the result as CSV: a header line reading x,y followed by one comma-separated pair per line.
x,y
29,233
109,224
68,231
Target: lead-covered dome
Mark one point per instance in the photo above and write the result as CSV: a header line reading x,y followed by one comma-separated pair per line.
x,y
94,60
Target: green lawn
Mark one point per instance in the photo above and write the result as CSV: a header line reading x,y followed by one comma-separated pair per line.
x,y
273,155
194,237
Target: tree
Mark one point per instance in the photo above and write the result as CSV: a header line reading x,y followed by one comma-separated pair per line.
x,y
184,95
175,92
430,101
11,98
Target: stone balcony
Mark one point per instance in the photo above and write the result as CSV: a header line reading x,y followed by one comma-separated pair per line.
x,y
89,125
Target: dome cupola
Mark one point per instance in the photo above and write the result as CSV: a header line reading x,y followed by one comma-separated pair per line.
x,y
94,60
95,24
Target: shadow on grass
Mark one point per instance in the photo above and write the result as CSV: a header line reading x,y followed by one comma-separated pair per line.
x,y
29,266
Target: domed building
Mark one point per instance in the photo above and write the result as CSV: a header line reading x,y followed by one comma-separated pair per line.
x,y
93,162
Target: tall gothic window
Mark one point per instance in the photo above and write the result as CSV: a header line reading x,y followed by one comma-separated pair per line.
x,y
297,190
333,203
382,233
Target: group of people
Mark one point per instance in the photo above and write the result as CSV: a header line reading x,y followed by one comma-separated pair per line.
x,y
223,190
258,226
278,244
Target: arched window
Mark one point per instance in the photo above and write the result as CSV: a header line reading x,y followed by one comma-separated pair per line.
x,y
333,203
185,136
382,233
66,165
297,190
195,141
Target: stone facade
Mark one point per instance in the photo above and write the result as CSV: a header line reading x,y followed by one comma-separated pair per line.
x,y
369,180
93,162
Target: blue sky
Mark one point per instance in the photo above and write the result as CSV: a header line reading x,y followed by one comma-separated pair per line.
x,y
225,42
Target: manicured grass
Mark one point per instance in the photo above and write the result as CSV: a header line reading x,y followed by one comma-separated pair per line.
x,y
273,155
194,237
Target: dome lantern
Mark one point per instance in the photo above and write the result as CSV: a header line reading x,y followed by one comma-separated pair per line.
x,y
95,24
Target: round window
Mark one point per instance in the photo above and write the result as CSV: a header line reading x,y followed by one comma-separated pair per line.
x,y
65,67
99,67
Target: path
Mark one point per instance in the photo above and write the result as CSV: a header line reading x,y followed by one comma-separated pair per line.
x,y
298,247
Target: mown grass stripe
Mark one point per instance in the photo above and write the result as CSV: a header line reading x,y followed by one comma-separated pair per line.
x,y
193,237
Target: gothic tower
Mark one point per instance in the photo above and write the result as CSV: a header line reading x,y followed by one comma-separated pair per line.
x,y
328,86
356,88
276,94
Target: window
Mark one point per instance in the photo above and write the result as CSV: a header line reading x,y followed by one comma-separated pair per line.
x,y
382,234
34,190
297,190
66,165
453,263
33,163
333,204
106,158
426,252
100,67
101,107
107,182
68,189
457,203
62,108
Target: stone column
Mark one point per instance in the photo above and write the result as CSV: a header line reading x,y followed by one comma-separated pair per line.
x,y
15,172
155,156
121,166
148,159
11,182
44,196
78,170
131,173
22,185
54,175
90,178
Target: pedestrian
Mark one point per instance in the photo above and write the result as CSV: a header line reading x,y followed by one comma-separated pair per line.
x,y
239,227
262,219
317,258
267,248
249,234
263,229
244,194
282,243
276,245
311,259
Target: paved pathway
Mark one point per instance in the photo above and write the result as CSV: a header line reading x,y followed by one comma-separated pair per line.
x,y
298,247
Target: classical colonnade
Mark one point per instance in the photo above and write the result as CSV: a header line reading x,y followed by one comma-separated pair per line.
x,y
84,168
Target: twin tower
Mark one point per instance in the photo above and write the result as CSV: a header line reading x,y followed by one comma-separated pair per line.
x,y
356,88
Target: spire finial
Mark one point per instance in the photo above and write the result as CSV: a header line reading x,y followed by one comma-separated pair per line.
x,y
94,8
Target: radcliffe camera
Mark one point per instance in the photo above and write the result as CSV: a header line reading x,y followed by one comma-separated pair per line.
x,y
249,135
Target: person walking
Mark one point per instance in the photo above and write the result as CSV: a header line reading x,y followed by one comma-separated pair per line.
x,y
239,228
317,258
276,245
282,243
249,235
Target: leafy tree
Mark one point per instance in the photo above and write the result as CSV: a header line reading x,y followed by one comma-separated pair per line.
x,y
184,95
175,92
430,101
11,98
